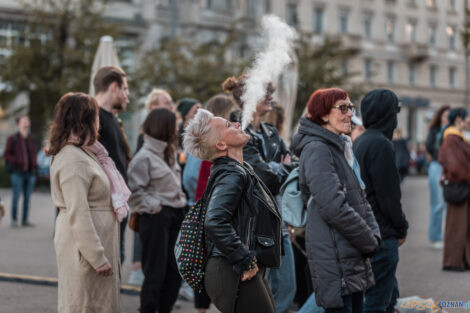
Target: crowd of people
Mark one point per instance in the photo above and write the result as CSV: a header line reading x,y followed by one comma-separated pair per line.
x,y
345,257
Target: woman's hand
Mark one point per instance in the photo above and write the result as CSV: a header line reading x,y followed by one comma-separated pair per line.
x,y
105,270
286,159
247,275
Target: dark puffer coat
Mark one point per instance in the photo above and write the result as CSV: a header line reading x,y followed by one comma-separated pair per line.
x,y
341,232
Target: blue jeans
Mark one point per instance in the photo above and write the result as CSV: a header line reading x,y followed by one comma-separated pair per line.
x,y
352,304
282,280
310,306
438,205
383,296
21,183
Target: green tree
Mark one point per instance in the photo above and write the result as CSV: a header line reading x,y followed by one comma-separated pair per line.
x,y
319,67
54,54
187,68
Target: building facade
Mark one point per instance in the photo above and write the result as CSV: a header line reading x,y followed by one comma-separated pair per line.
x,y
413,47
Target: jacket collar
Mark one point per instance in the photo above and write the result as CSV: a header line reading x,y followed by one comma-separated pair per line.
x,y
268,132
156,146
312,129
452,130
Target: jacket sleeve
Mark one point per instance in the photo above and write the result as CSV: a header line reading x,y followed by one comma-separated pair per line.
x,y
190,174
139,179
223,206
74,183
324,185
386,182
431,142
271,178
8,155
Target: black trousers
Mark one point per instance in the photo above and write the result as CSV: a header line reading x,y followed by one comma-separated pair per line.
x,y
230,295
158,234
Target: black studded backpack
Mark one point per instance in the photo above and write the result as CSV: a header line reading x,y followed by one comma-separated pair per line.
x,y
190,250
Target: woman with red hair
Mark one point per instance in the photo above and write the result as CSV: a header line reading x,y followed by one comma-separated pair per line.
x,y
341,232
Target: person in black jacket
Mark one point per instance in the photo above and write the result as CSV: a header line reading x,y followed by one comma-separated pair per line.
x,y
112,95
242,222
438,205
376,157
341,231
265,151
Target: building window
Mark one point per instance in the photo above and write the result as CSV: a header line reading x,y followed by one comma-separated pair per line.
x,y
411,74
292,17
452,76
367,26
432,35
267,6
390,28
453,5
432,75
343,21
390,72
344,67
410,29
451,35
318,20
432,4
219,5
368,70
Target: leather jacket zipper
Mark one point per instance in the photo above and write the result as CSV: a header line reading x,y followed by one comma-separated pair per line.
x,y
248,236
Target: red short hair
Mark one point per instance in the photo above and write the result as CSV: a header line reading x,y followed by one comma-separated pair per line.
x,y
322,101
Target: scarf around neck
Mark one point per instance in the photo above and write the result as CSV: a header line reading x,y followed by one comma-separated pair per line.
x,y
120,193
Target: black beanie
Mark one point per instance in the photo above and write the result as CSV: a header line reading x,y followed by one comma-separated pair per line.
x,y
185,105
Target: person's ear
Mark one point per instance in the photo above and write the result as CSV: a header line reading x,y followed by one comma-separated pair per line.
x,y
221,146
113,86
326,118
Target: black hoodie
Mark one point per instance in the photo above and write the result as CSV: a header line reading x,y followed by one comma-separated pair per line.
x,y
376,156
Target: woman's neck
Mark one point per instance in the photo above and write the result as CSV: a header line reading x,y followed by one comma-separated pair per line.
x,y
256,123
234,153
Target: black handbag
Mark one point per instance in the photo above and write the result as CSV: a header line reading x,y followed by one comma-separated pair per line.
x,y
456,193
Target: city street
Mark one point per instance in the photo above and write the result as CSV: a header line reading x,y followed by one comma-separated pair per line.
x,y
29,251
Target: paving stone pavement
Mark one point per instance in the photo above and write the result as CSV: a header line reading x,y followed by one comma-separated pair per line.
x,y
30,251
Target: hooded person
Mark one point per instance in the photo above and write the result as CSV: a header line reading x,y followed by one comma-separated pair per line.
x,y
375,153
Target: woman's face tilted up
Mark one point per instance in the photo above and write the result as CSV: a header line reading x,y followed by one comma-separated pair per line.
x,y
230,135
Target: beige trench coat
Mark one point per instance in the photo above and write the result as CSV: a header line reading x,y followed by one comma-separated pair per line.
x,y
86,235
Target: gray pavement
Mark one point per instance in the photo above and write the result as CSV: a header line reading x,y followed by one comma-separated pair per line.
x,y
30,251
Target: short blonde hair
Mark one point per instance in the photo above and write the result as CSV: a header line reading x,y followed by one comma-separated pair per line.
x,y
199,137
154,97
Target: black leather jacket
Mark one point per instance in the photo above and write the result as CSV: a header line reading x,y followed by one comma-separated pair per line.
x,y
259,159
242,218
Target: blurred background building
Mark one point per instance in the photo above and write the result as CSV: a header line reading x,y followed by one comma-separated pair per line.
x,y
413,47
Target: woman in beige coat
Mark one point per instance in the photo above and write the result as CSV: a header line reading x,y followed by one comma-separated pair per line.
x,y
87,227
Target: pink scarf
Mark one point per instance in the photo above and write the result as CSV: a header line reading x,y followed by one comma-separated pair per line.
x,y
119,192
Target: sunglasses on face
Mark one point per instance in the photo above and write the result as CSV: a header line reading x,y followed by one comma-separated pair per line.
x,y
344,108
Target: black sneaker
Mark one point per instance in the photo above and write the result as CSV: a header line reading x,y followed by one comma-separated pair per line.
x,y
27,224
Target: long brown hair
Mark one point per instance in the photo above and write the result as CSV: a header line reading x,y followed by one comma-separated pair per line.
x,y
76,113
161,124
436,118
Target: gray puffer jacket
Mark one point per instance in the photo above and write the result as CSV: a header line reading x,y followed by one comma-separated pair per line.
x,y
341,232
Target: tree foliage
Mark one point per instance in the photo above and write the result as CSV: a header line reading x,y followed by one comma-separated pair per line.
x,y
53,55
320,67
188,68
